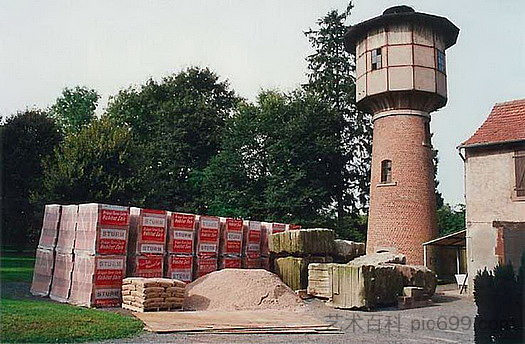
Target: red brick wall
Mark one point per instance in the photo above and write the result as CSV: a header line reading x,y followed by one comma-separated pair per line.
x,y
402,216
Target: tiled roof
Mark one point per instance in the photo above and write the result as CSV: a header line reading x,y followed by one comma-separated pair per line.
x,y
506,123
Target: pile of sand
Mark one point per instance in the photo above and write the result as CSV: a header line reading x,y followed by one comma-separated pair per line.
x,y
240,289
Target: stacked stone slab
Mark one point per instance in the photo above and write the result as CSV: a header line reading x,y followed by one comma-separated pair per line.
x,y
294,250
63,267
251,252
45,253
230,247
207,249
181,246
152,294
267,229
100,255
368,281
147,241
346,250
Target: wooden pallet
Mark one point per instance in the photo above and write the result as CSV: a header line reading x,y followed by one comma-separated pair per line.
x,y
150,309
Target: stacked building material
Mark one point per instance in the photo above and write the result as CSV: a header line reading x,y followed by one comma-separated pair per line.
x,y
181,246
319,280
45,253
180,267
294,250
294,270
63,267
207,249
147,240
413,297
251,253
230,247
152,294
346,250
267,229
100,255
97,280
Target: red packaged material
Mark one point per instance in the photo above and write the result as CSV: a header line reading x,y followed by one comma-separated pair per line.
x,y
43,272
252,238
180,267
293,227
278,228
205,265
67,229
208,237
62,271
231,237
181,233
226,262
102,229
49,233
251,262
96,279
147,233
148,266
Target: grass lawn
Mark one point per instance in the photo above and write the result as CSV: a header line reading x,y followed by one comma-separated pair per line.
x,y
16,268
30,320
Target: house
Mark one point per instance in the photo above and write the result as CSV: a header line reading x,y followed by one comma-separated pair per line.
x,y
495,189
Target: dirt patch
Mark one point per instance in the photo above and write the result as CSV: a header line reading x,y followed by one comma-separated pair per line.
x,y
240,289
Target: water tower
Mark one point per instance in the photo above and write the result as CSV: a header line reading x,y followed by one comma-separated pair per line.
x,y
400,79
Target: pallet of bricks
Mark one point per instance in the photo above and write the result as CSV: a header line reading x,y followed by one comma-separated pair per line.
x,y
45,253
207,245
100,255
63,265
267,229
181,246
152,294
147,241
294,250
230,247
251,254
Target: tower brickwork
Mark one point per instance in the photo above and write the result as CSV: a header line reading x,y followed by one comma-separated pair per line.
x,y
401,79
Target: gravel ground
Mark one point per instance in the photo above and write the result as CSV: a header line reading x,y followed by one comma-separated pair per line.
x,y
449,320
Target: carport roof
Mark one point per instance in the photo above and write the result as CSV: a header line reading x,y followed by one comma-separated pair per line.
x,y
453,239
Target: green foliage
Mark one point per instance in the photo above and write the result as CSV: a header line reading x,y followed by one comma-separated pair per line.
x,y
331,79
27,139
28,321
277,161
450,219
75,108
499,297
176,125
96,165
440,202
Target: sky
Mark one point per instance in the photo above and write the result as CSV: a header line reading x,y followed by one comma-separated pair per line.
x,y
47,45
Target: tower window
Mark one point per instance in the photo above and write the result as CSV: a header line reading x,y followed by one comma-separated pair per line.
x,y
440,61
376,59
386,171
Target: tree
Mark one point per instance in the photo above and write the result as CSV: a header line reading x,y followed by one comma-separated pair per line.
x,y
277,161
331,78
75,108
450,219
96,165
176,124
28,138
440,202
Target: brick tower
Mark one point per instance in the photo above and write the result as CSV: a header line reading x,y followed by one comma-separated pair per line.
x,y
400,80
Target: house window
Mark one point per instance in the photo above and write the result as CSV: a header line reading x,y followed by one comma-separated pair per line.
x,y
386,171
376,59
519,166
440,61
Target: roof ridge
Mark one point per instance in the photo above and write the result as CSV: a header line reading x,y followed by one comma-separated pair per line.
x,y
510,101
